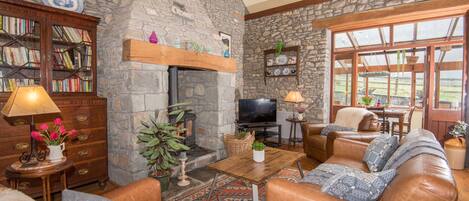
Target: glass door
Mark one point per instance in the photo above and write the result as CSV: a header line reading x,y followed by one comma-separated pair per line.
x,y
445,88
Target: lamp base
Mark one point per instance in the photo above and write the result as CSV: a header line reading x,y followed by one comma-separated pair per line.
x,y
32,158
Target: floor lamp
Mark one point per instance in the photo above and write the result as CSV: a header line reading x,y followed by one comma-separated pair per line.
x,y
30,101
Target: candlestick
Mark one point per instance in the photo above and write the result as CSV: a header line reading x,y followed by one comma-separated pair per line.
x,y
183,178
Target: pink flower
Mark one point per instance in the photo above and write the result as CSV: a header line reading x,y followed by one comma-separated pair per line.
x,y
43,127
62,130
73,133
36,135
58,121
54,136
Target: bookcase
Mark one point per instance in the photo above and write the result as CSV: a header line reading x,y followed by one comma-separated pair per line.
x,y
57,50
49,47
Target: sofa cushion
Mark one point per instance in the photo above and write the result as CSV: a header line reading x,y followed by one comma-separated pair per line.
x,y
71,195
379,151
357,185
348,162
333,127
13,195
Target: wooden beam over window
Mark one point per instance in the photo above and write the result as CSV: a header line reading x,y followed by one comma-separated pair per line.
x,y
396,14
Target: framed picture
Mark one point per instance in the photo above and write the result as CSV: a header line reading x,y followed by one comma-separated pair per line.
x,y
226,40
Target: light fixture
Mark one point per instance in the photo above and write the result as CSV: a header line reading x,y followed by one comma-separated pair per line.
x,y
30,101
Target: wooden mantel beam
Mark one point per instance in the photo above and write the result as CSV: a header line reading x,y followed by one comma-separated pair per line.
x,y
145,52
396,14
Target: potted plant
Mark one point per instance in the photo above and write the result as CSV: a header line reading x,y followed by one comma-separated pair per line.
x,y
367,100
280,59
161,144
54,138
258,151
455,146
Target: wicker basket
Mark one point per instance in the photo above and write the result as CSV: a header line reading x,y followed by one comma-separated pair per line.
x,y
235,146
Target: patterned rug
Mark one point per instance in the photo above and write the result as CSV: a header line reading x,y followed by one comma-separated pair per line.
x,y
232,189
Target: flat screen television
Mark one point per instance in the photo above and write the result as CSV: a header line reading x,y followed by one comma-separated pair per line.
x,y
257,110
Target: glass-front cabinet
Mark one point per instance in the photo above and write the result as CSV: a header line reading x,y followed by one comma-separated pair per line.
x,y
20,52
55,51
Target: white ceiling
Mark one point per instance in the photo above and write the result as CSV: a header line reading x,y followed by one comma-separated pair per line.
x,y
254,6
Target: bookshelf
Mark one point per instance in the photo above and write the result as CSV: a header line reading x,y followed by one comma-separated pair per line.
x,y
48,47
57,50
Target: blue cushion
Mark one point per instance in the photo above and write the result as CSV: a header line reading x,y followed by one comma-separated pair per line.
x,y
324,172
379,151
358,186
332,128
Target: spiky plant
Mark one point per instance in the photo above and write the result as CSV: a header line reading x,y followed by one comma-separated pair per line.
x,y
161,142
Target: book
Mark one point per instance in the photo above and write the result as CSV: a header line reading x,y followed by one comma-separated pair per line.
x,y
72,85
21,56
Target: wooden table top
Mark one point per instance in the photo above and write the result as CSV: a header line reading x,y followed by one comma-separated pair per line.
x,y
244,167
36,173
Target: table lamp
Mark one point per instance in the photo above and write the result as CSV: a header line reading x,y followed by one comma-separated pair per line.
x,y
30,101
294,97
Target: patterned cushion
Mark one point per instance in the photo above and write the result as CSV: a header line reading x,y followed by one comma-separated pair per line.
x,y
379,151
358,186
324,172
332,127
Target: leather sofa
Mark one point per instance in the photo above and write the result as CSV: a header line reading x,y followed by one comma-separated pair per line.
x,y
424,177
320,147
143,190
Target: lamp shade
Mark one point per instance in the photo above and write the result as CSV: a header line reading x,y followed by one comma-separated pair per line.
x,y
29,100
294,97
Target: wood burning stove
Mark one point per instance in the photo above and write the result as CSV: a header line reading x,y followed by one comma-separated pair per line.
x,y
188,121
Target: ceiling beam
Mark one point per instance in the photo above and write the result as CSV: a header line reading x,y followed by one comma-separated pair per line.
x,y
353,40
396,14
281,9
452,28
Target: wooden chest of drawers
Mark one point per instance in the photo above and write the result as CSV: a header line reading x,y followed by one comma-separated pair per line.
x,y
88,151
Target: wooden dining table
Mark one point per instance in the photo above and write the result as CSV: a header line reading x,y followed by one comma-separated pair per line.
x,y
395,113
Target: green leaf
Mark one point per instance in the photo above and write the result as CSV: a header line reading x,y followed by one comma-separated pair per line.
x,y
174,112
180,116
144,138
179,105
155,155
152,142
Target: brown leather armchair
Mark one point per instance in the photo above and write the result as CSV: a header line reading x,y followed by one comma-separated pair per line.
x,y
424,177
320,147
144,190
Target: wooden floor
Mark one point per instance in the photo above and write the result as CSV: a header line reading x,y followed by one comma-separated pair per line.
x,y
461,176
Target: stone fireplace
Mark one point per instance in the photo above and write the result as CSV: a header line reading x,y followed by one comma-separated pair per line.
x,y
138,89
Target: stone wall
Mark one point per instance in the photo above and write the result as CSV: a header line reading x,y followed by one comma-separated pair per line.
x,y
136,91
294,28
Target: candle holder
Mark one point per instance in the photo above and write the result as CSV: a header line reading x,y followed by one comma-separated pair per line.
x,y
183,178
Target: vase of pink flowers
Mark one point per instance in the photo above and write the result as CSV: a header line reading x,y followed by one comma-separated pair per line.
x,y
54,137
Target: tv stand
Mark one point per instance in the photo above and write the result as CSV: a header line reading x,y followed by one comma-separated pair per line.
x,y
265,134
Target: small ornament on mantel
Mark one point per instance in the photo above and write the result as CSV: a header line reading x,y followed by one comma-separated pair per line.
x,y
153,38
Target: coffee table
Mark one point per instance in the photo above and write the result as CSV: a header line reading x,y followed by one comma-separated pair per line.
x,y
244,167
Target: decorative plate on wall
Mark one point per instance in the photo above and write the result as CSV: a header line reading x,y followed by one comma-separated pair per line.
x,y
70,5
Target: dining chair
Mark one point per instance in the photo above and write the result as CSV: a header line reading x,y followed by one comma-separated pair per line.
x,y
381,112
407,124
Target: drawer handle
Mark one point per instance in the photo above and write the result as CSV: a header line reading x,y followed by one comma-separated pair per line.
x,y
83,153
83,171
24,185
82,137
19,122
21,146
81,118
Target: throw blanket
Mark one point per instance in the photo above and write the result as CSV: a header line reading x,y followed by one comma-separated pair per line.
x,y
350,117
413,148
332,128
325,171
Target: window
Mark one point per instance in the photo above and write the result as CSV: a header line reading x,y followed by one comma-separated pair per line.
x,y
419,89
400,88
448,77
342,82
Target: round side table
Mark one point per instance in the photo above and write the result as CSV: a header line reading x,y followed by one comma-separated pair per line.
x,y
43,170
293,123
